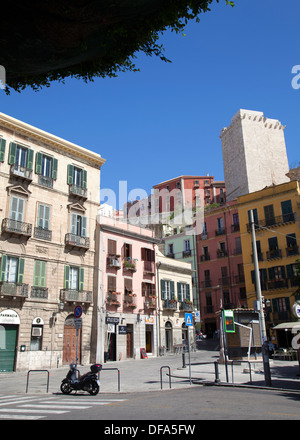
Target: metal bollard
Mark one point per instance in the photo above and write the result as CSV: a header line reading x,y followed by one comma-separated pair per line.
x,y
217,379
183,360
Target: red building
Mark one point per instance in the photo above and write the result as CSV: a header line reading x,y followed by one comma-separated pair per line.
x,y
188,191
220,265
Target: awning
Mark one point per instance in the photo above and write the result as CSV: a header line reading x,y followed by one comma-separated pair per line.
x,y
287,325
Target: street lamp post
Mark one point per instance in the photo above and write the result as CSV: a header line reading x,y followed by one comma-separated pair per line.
x,y
261,311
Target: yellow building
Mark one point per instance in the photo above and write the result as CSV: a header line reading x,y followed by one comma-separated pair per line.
x,y
276,212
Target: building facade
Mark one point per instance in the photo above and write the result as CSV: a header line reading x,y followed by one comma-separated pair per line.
x,y
174,281
126,303
220,265
49,199
276,212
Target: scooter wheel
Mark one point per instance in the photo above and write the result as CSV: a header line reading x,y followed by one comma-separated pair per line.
x,y
65,388
94,388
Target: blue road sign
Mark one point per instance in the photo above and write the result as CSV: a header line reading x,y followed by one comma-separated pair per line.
x,y
78,311
188,319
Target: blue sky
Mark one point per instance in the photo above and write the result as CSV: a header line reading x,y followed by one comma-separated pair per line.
x,y
165,120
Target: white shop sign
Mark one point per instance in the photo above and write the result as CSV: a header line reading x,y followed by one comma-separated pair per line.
x,y
9,316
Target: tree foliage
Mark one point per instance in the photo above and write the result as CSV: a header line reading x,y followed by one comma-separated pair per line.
x,y
55,39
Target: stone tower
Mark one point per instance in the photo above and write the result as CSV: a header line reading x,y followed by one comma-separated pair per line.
x,y
254,153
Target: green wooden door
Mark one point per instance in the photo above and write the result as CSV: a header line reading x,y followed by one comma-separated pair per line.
x,y
8,340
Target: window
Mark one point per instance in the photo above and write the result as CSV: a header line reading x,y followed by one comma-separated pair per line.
x,y
273,243
147,254
12,269
127,286
183,292
39,276
77,176
287,211
127,251
78,225
43,218
46,168
74,278
21,157
111,247
170,249
167,290
2,149
187,245
148,289
16,212
111,284
269,215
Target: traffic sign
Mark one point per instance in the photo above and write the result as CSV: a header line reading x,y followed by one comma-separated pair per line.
x,y
188,319
229,321
78,323
78,311
197,316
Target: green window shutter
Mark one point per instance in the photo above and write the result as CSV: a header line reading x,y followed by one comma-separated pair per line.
x,y
21,270
38,163
188,295
3,267
84,178
30,159
2,149
179,293
39,277
83,226
12,153
172,289
81,278
163,289
67,277
54,168
70,174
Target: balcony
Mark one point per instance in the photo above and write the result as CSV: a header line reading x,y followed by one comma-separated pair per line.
x,y
113,262
277,284
186,306
221,253
128,264
77,241
220,231
76,296
273,221
42,234
150,303
292,250
16,227
274,254
21,172
205,257
39,292
186,253
239,279
45,181
224,281
170,304
235,227
16,290
78,191
206,283
149,267
130,301
113,298
209,310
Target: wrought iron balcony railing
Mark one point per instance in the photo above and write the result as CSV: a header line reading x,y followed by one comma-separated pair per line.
x,y
72,295
16,227
18,290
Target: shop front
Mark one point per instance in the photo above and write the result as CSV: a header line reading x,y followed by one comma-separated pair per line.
x,y
9,330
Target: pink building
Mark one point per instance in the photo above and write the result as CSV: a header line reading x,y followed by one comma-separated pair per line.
x,y
220,265
127,290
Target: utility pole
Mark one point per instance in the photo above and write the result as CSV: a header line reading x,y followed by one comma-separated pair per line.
x,y
261,311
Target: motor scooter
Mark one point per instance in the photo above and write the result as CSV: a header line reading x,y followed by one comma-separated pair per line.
x,y
87,382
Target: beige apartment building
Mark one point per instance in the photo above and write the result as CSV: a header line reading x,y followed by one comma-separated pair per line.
x,y
49,197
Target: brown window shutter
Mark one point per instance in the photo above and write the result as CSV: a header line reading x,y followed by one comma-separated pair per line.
x,y
111,283
143,289
128,284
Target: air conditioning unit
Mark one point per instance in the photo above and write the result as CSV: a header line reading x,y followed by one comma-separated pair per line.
x,y
37,331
